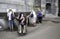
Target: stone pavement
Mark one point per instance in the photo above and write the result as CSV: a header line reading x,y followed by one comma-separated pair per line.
x,y
54,19
46,30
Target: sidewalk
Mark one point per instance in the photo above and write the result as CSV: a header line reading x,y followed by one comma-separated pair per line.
x,y
54,19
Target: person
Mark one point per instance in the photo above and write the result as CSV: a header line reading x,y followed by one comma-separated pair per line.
x,y
10,16
39,16
32,18
22,21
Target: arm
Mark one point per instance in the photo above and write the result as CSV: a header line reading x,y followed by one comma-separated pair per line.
x,y
23,19
29,15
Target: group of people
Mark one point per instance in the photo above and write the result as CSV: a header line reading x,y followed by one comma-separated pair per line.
x,y
22,18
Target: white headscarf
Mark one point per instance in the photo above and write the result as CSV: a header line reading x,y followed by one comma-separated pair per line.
x,y
33,19
33,12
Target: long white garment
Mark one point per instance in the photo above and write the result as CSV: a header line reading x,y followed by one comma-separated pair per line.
x,y
9,15
33,19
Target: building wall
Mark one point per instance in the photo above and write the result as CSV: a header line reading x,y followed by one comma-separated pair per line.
x,y
54,7
43,6
22,5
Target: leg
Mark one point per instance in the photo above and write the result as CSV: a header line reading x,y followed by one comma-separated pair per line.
x,y
12,24
24,29
40,20
19,29
12,27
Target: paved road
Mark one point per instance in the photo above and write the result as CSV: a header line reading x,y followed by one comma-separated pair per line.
x,y
46,30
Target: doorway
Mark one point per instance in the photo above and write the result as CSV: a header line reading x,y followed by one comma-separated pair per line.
x,y
48,8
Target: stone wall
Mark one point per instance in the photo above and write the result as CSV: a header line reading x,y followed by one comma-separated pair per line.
x,y
22,5
54,7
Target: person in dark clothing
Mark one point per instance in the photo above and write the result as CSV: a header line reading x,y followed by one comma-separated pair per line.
x,y
22,21
22,18
39,17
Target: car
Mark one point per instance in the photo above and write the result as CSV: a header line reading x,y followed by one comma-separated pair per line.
x,y
3,24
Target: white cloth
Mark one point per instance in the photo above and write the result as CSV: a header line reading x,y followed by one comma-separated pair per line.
x,y
9,15
33,19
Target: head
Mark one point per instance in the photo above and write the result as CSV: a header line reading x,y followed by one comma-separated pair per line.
x,y
21,14
10,10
